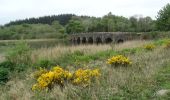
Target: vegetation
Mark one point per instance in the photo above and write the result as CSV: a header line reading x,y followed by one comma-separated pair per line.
x,y
131,70
119,60
32,31
63,20
149,46
163,81
163,21
76,77
61,77
61,25
49,78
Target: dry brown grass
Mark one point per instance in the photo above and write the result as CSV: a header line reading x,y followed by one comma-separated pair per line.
x,y
2,58
135,79
113,81
55,52
130,44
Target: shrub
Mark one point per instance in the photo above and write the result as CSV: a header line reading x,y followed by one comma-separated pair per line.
x,y
119,60
20,54
84,77
20,67
8,65
4,76
149,46
167,45
58,76
39,72
45,63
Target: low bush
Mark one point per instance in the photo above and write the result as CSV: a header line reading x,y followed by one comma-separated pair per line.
x,y
167,45
45,63
8,65
46,79
84,77
19,54
119,60
149,46
55,76
4,75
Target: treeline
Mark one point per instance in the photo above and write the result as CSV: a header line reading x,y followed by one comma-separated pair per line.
x,y
58,26
61,25
63,20
33,31
110,23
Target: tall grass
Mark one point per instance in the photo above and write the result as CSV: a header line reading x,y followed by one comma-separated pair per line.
x,y
58,51
2,58
133,82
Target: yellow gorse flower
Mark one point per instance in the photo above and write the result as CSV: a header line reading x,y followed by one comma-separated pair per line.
x,y
39,73
84,76
118,60
167,45
149,46
59,76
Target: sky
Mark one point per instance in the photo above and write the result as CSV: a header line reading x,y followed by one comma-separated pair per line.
x,y
11,10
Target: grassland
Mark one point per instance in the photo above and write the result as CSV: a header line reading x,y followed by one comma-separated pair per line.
x,y
140,81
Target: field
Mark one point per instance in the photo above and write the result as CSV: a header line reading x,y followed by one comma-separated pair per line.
x,y
144,74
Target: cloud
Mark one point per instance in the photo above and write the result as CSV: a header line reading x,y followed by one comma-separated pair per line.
x,y
21,9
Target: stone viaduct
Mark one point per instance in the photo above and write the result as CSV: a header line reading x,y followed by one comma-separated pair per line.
x,y
102,37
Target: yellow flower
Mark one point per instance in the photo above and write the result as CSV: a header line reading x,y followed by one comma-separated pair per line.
x,y
149,46
34,87
84,77
118,60
59,76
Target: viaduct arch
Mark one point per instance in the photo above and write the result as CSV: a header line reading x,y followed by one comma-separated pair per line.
x,y
102,37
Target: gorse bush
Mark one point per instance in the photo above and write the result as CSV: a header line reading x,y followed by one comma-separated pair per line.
x,y
149,46
38,73
119,60
84,77
58,76
167,45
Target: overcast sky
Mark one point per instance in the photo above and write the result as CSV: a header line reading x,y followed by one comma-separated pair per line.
x,y
11,10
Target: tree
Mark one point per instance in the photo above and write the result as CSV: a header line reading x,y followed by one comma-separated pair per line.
x,y
163,18
96,25
122,24
74,26
145,24
58,27
133,23
63,20
109,22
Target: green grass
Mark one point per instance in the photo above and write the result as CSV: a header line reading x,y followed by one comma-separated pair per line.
x,y
164,77
160,42
163,81
80,57
140,81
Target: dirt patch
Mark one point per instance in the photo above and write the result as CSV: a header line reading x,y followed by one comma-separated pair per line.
x,y
2,58
162,92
